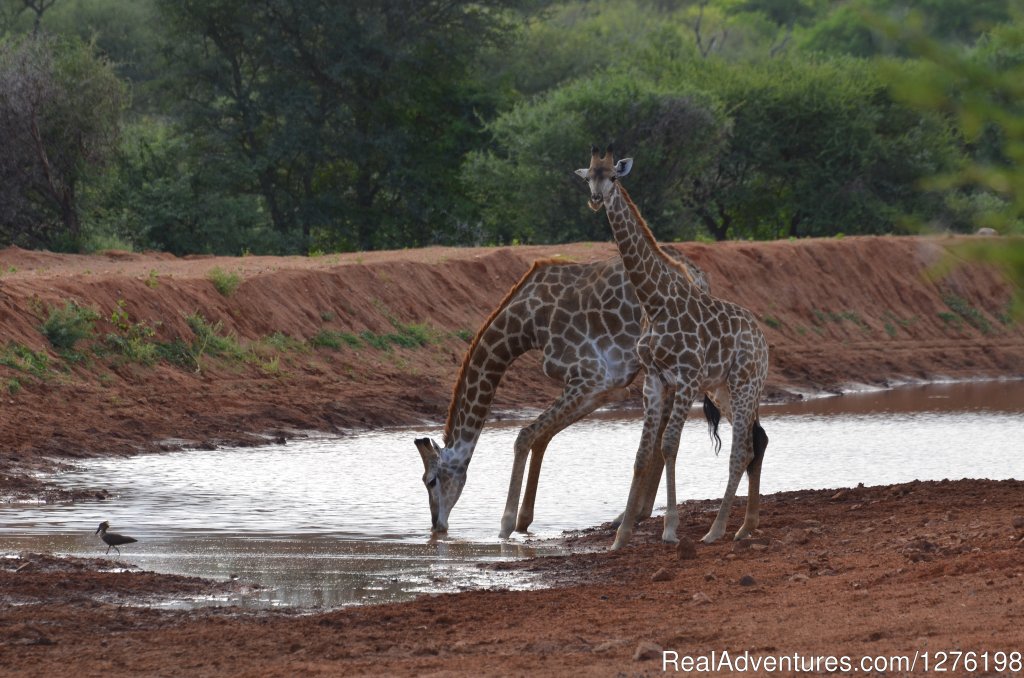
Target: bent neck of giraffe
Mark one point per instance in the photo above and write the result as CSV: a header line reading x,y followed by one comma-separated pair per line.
x,y
485,364
646,265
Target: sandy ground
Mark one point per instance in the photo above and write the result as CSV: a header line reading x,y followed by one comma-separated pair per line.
x,y
862,573
924,567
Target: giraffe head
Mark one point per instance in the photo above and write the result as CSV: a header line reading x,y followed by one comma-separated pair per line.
x,y
602,174
444,476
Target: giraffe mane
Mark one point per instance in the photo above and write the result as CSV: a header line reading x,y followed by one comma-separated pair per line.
x,y
449,423
671,261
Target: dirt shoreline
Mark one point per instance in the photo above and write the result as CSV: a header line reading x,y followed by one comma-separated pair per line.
x,y
860,571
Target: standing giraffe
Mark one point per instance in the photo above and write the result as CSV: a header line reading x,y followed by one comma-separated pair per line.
x,y
586,319
691,343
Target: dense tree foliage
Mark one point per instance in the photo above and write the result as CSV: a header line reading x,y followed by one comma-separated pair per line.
x,y
349,119
816,148
60,109
527,187
301,125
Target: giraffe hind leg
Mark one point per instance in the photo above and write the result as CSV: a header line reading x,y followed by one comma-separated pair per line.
x,y
752,518
740,458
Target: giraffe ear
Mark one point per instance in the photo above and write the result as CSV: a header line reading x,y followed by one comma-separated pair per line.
x,y
623,166
582,172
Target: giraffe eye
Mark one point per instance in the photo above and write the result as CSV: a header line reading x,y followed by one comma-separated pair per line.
x,y
431,483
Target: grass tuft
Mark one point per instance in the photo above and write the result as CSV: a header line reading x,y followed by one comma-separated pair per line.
x,y
24,359
225,282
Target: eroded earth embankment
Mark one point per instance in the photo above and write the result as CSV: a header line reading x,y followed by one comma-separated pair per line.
x,y
373,339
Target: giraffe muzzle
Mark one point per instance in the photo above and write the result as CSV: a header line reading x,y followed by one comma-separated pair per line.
x,y
595,202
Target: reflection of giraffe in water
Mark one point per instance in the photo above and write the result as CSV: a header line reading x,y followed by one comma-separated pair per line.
x,y
692,343
586,319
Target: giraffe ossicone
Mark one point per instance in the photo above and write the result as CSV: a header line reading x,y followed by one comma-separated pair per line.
x,y
692,342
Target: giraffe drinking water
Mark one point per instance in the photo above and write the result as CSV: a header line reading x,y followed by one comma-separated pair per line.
x,y
586,320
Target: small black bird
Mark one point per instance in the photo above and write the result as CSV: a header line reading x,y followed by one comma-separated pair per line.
x,y
111,539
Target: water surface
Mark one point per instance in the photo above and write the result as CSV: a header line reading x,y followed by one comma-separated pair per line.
x,y
329,521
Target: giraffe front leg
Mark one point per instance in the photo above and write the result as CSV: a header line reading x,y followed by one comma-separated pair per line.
x,y
653,399
649,491
577,401
625,530
681,403
654,475
515,484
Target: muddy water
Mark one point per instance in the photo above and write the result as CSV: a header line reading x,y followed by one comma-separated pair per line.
x,y
325,522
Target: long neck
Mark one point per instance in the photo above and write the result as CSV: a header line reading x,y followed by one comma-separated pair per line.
x,y
489,356
647,266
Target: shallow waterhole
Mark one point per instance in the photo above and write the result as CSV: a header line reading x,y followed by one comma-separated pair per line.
x,y
332,521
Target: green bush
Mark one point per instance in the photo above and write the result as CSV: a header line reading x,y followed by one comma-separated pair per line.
x,y
65,327
225,282
133,340
210,339
60,116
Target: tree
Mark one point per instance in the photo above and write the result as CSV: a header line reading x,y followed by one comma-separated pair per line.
x,y
348,120
158,194
525,185
849,28
816,148
60,111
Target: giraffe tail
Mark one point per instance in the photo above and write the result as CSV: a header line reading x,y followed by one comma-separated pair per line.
x,y
760,445
714,417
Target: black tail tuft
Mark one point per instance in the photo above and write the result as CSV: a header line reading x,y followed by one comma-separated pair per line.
x,y
714,416
760,440
760,445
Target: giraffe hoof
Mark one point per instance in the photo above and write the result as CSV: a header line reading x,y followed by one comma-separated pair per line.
x,y
711,537
507,523
746,530
670,538
523,524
